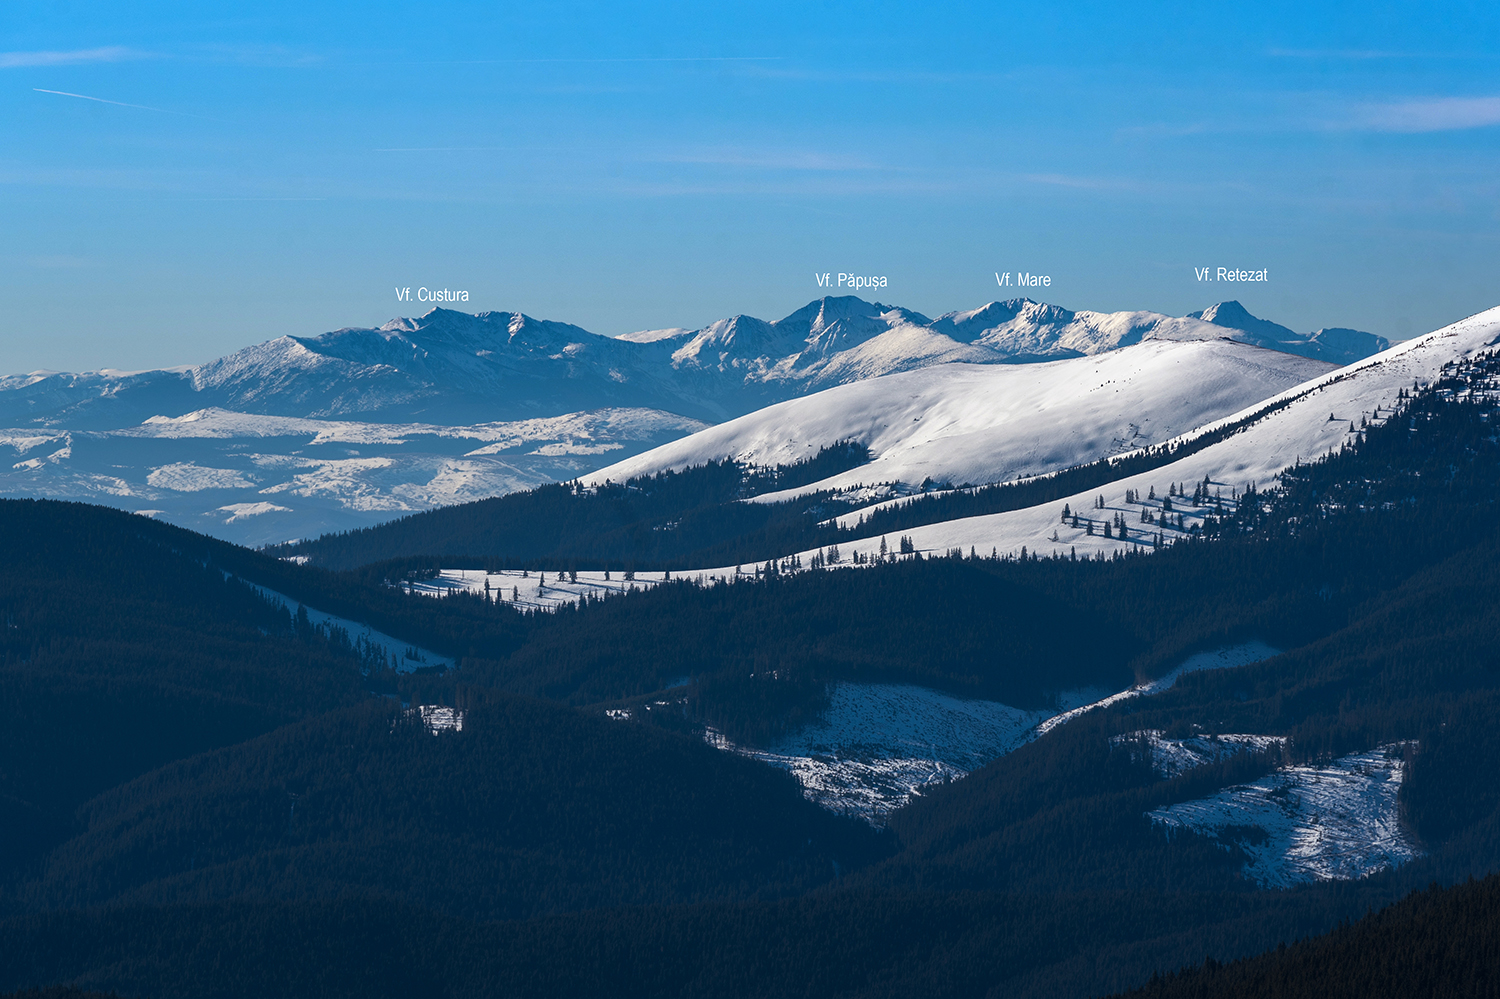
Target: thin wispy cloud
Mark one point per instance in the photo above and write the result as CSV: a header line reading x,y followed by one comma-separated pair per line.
x,y
1443,114
1166,130
112,53
122,104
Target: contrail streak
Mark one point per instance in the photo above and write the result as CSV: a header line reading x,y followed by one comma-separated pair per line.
x,y
139,107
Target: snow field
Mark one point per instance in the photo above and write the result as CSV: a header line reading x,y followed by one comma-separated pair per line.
x,y
1337,821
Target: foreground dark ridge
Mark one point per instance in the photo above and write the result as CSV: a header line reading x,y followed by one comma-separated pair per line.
x,y
1436,943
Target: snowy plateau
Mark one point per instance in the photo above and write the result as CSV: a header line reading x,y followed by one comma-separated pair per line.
x,y
302,435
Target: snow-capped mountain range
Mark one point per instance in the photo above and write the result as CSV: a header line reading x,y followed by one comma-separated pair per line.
x,y
301,435
452,368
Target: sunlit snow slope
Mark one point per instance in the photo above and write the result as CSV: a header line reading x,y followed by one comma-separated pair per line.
x,y
965,423
1315,420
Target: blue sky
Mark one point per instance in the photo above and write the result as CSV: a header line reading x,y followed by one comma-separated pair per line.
x,y
283,168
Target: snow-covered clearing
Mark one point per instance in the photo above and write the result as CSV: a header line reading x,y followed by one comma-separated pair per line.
x,y
404,656
1337,821
879,744
1174,757
439,718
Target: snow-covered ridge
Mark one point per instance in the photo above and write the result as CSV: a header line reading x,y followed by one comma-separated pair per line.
x,y
965,423
507,365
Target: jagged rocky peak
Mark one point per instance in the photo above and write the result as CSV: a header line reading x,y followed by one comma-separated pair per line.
x,y
1233,315
1337,344
844,320
968,326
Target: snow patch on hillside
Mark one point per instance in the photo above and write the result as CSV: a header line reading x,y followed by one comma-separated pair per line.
x,y
1337,821
879,744
238,511
186,477
1175,757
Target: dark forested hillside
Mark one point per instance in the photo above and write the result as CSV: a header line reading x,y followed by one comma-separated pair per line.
x,y
529,808
1433,944
120,654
